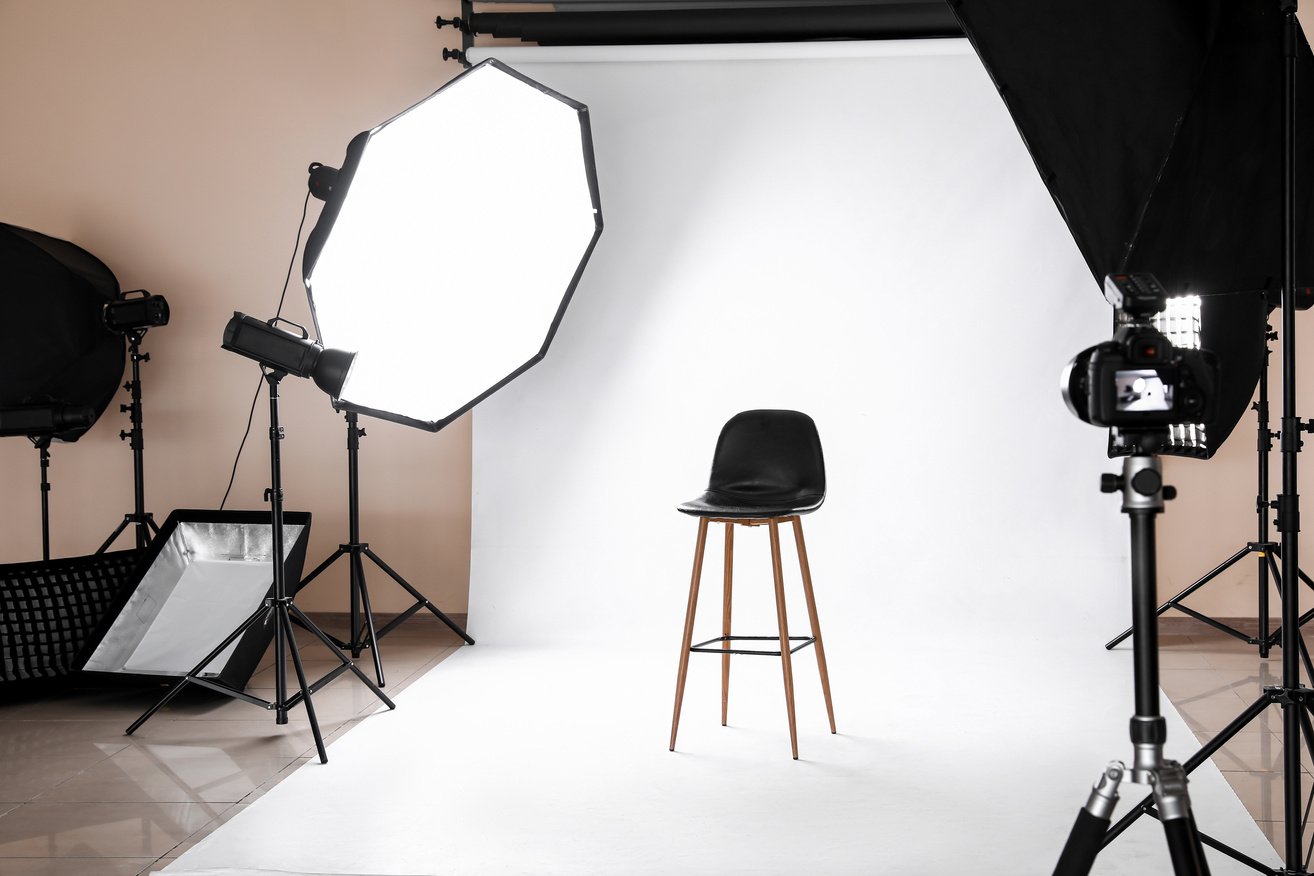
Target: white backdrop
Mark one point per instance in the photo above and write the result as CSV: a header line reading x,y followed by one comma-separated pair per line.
x,y
856,232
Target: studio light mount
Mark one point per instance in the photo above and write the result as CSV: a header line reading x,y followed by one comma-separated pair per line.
x,y
132,314
279,354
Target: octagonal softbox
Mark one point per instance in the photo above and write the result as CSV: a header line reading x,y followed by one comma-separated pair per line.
x,y
451,242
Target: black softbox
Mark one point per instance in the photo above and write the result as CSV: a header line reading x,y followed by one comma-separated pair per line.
x,y
1157,127
54,349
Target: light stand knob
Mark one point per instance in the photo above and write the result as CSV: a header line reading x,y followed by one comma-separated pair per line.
x,y
1110,482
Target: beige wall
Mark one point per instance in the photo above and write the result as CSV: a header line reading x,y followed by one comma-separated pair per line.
x,y
171,139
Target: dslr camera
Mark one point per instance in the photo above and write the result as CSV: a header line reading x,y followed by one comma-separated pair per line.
x,y
1138,383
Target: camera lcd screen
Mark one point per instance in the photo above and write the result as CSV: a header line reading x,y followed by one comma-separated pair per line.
x,y
1143,390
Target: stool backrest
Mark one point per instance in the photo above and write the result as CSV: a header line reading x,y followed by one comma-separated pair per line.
x,y
769,452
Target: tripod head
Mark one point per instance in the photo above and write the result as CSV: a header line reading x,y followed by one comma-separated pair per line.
x,y
1141,484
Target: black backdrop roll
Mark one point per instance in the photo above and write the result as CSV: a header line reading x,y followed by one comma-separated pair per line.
x,y
53,347
1157,127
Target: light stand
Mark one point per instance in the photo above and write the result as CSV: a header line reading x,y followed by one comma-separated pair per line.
x,y
140,517
1143,495
283,612
42,444
365,635
1264,548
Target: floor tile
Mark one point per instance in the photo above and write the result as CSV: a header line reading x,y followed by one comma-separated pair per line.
x,y
77,796
168,774
111,830
76,866
218,821
41,754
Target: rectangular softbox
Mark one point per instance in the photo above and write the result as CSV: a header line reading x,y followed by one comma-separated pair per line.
x,y
202,576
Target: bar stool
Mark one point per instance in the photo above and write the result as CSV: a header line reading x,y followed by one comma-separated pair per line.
x,y
767,469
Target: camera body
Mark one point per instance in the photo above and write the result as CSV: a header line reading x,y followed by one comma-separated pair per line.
x,y
1138,383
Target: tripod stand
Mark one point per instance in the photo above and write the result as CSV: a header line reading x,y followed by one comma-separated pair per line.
x,y
282,611
42,444
1294,698
140,518
1143,495
365,635
1263,548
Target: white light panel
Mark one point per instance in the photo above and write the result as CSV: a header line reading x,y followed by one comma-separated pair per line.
x,y
1180,323
458,240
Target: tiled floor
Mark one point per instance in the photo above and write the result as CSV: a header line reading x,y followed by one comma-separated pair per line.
x,y
1211,678
78,798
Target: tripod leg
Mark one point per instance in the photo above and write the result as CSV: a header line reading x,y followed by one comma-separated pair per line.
x,y
688,626
1184,845
1304,655
1275,574
1087,835
786,664
1172,603
369,622
1307,730
406,585
307,624
195,670
285,619
118,530
321,567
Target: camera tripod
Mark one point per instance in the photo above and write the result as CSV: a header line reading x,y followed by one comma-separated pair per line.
x,y
1143,495
363,632
282,611
140,518
1291,696
1263,547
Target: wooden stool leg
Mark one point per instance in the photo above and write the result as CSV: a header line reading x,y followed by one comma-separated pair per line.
x,y
725,620
688,626
812,616
784,633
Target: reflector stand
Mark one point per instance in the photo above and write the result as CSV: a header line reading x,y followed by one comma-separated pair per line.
x,y
363,631
282,611
140,518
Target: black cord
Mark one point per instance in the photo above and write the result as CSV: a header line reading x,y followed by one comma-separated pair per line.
x,y
250,417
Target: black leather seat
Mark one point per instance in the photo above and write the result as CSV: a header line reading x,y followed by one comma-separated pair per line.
x,y
767,469
766,464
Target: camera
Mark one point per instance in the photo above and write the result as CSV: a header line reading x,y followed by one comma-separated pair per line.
x,y
141,312
1138,383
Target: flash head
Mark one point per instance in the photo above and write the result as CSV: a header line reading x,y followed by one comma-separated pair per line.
x,y
134,311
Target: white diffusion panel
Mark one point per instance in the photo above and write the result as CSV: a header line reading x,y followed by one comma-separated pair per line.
x,y
855,231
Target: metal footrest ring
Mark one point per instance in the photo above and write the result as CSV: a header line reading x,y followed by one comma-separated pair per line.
x,y
702,648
